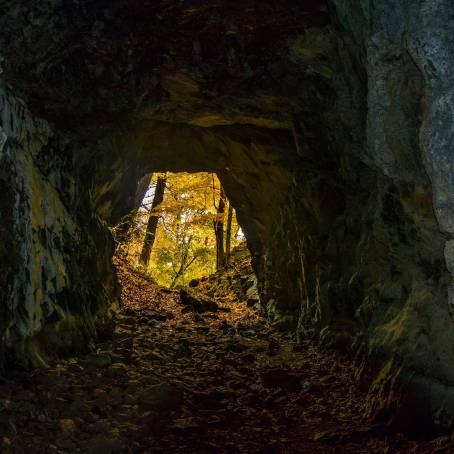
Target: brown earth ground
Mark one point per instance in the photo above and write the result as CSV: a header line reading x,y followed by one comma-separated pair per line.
x,y
217,382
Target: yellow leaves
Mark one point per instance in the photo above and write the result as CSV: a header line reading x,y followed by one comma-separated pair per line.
x,y
185,244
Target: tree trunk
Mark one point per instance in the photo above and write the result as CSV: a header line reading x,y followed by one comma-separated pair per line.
x,y
184,263
153,220
124,230
228,234
219,231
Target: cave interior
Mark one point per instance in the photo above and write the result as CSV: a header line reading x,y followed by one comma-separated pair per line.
x,y
329,125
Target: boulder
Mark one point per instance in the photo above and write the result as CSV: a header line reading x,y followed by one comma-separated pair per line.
x,y
197,301
194,282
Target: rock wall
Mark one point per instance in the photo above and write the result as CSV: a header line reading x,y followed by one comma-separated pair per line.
x,y
400,256
49,289
330,126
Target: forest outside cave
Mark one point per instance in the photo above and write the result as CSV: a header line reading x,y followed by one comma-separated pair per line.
x,y
184,229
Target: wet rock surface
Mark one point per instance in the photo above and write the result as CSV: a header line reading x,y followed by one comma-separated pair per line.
x,y
161,384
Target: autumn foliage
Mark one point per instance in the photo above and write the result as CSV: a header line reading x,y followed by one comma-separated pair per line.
x,y
195,227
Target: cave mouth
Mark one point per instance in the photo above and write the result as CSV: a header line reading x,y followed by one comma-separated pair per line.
x,y
182,228
258,168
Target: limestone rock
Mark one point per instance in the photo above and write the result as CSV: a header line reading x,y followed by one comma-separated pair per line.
x,y
197,301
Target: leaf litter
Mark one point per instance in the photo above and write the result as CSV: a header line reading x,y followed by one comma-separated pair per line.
x,y
163,379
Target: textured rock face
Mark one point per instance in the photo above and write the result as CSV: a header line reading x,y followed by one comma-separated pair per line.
x,y
404,49
330,127
50,280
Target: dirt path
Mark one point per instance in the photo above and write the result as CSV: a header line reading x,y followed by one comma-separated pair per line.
x,y
169,382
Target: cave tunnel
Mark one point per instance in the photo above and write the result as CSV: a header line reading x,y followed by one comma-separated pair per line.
x,y
331,134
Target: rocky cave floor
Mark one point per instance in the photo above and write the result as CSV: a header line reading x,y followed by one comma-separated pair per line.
x,y
167,380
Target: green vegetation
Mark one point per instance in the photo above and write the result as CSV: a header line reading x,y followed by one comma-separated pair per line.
x,y
192,233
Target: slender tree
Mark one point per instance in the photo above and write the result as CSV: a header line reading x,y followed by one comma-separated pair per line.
x,y
228,233
185,260
219,230
185,243
153,220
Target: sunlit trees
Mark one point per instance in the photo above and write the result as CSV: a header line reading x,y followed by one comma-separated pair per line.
x,y
218,224
228,233
192,222
152,224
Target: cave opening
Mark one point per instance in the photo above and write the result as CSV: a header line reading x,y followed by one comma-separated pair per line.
x,y
182,228
258,169
183,234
